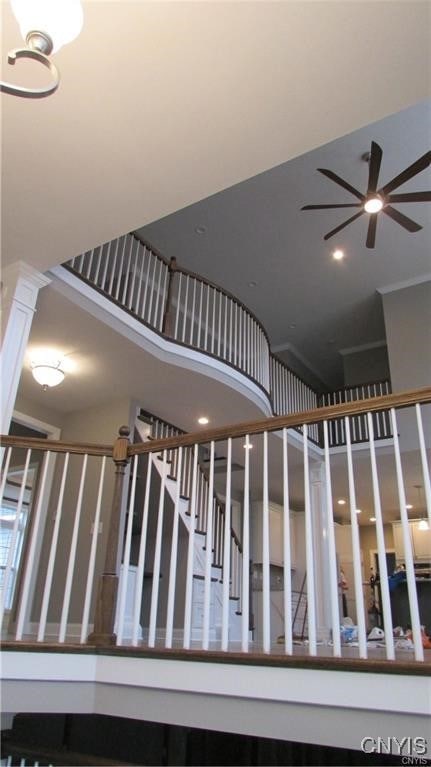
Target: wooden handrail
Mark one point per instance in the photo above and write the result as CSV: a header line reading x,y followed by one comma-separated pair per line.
x,y
35,443
275,423
209,283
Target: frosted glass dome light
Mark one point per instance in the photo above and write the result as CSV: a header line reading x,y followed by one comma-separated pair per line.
x,y
61,20
47,375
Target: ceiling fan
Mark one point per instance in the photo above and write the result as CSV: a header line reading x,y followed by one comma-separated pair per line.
x,y
376,200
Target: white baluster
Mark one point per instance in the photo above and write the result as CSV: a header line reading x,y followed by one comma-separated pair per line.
x,y
213,320
5,472
190,554
198,343
152,290
424,462
107,258
407,545
148,255
93,550
52,553
225,349
158,293
287,562
29,571
219,304
120,271
140,572
126,557
356,548
174,556
226,551
14,538
309,553
332,557
208,554
266,613
113,269
381,551
72,554
192,314
99,257
157,558
246,548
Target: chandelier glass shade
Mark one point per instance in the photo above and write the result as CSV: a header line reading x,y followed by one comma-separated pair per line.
x,y
45,25
47,375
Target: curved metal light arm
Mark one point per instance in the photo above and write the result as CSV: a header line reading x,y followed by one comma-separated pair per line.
x,y
31,93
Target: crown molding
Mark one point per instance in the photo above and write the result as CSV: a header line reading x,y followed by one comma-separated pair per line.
x,y
404,284
363,347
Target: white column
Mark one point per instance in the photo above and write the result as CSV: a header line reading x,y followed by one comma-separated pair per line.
x,y
321,559
20,287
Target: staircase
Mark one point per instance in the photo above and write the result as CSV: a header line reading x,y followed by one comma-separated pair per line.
x,y
201,515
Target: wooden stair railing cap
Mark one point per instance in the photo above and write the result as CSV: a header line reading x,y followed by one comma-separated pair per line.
x,y
275,423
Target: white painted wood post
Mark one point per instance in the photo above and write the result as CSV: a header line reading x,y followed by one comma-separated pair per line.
x,y
21,285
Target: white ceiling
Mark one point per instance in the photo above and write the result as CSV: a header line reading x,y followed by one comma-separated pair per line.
x,y
164,103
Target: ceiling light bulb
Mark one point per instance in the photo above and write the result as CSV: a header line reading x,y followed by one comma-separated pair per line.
x,y
373,205
409,506
359,511
372,519
61,20
203,420
341,502
423,525
247,446
338,254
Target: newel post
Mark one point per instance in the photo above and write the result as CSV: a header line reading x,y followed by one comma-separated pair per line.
x,y
103,632
168,324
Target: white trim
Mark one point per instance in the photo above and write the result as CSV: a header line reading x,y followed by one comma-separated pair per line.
x,y
404,284
363,347
52,432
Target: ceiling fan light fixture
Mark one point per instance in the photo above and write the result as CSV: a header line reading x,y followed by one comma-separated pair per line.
x,y
374,204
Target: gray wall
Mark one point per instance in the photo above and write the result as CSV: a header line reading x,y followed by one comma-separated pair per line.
x,y
366,366
408,333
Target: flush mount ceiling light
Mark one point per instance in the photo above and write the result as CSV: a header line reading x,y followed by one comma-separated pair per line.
x,y
47,374
203,420
377,200
45,25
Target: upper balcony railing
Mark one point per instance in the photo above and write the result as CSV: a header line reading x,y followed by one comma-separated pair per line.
x,y
192,311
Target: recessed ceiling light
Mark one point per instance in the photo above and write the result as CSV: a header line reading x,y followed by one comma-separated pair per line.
x,y
372,519
247,446
203,420
409,505
341,502
359,511
373,205
200,229
338,254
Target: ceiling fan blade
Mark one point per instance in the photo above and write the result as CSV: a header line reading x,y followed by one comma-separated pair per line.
x,y
346,223
375,162
371,234
410,197
341,182
401,219
324,207
408,173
